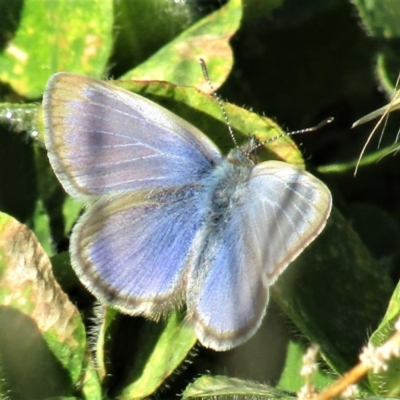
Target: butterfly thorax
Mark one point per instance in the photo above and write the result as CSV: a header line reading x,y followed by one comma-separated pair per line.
x,y
226,185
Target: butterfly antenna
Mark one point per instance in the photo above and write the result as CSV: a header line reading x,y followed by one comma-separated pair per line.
x,y
300,131
218,99
313,128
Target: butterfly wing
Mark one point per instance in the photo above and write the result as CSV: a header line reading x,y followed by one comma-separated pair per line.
x,y
227,293
130,250
295,207
103,139
283,209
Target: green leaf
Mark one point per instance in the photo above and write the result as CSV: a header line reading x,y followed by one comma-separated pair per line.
x,y
381,20
254,8
227,388
54,36
138,367
162,347
178,61
291,380
4,388
41,227
90,383
387,382
37,319
143,27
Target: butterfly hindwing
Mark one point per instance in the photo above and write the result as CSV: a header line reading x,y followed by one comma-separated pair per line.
x,y
130,250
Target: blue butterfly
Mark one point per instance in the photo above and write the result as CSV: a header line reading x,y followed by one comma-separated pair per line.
x,y
171,220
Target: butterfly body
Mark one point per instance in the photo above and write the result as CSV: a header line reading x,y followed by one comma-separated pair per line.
x,y
171,220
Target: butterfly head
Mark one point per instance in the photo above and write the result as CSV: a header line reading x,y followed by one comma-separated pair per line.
x,y
245,155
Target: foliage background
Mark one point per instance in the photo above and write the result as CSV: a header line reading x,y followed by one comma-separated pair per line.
x,y
294,62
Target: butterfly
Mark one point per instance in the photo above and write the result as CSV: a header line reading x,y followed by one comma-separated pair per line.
x,y
170,219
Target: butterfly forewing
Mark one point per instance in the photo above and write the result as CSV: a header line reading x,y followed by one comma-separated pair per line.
x,y
103,139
